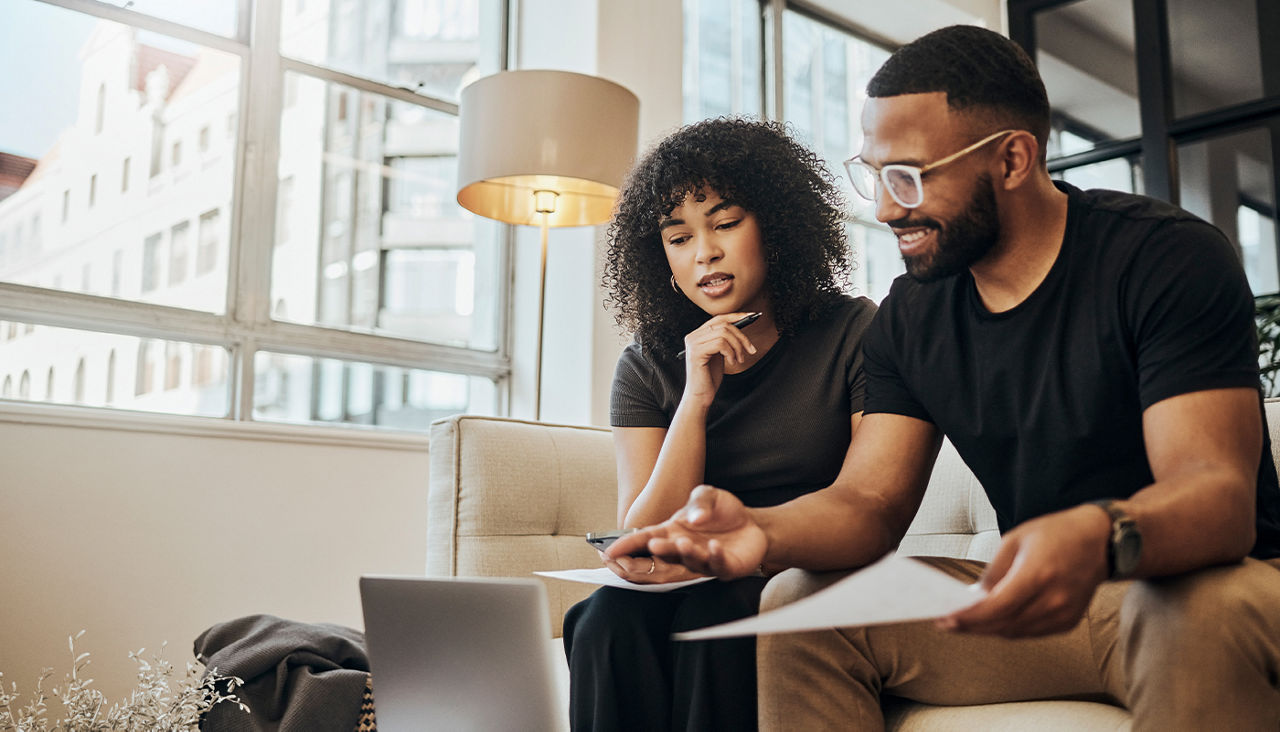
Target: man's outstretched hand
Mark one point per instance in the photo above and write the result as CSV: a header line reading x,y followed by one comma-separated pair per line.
x,y
713,534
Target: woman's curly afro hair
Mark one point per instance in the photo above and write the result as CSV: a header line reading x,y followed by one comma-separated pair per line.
x,y
757,165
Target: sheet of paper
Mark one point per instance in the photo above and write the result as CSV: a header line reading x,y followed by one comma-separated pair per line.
x,y
893,590
602,576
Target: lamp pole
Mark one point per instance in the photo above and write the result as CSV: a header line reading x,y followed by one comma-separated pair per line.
x,y
545,205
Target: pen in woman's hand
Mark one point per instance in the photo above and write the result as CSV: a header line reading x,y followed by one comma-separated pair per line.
x,y
740,323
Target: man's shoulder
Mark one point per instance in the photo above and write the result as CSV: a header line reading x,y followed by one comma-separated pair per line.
x,y
1106,208
1129,226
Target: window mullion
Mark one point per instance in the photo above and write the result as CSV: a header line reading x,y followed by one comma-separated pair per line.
x,y
367,85
40,306
249,276
778,82
307,340
152,23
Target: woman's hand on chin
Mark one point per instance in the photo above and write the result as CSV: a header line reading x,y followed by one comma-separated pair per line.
x,y
708,350
648,570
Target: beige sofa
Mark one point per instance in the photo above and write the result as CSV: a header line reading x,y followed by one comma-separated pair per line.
x,y
509,497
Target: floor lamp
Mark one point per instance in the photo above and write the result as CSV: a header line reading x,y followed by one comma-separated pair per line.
x,y
544,148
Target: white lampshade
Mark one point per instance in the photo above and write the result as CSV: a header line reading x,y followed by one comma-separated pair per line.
x,y
558,131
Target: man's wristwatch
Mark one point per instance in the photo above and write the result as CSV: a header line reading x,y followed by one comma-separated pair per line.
x,y
1124,548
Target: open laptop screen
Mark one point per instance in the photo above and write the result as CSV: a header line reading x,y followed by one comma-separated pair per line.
x,y
459,653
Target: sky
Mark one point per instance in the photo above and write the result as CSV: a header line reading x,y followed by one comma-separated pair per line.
x,y
39,73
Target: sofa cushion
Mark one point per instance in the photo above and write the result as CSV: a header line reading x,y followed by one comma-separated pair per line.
x,y
1041,716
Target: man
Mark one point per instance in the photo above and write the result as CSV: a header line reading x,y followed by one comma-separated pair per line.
x,y
1092,357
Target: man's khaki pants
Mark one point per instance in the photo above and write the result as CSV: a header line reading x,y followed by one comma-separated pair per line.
x,y
1197,651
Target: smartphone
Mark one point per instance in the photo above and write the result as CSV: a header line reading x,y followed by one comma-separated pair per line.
x,y
602,539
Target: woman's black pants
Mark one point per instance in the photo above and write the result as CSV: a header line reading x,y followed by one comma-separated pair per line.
x,y
626,672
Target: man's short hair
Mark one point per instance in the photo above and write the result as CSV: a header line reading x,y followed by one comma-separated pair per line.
x,y
981,71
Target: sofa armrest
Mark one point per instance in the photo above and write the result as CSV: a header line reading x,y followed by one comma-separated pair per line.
x,y
507,497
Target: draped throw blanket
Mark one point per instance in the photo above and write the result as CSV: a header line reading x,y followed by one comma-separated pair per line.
x,y
298,677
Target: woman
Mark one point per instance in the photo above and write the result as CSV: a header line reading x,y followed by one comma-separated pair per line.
x,y
724,219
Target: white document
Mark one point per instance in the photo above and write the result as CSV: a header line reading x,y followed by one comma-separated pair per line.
x,y
893,590
602,576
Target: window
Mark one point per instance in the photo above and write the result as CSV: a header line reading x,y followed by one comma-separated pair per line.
x,y
179,254
1193,121
48,386
208,366
823,68
207,251
110,392
117,264
146,370
101,109
372,198
723,66
150,263
337,254
7,390
78,388
172,366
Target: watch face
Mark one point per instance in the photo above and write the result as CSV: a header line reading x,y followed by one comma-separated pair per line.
x,y
1128,549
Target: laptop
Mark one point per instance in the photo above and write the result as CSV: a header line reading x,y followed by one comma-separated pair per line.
x,y
459,654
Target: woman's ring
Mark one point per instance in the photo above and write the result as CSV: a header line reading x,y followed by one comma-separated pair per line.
x,y
653,564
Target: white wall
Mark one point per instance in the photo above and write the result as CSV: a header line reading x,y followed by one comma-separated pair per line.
x,y
142,530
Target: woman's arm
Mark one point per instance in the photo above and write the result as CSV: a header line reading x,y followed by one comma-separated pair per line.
x,y
637,450
658,468
675,467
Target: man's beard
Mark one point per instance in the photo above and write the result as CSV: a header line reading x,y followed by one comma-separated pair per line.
x,y
966,239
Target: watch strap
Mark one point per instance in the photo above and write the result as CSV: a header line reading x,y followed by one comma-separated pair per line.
x,y
1120,523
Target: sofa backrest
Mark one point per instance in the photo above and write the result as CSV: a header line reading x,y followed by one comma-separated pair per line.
x,y
955,518
508,497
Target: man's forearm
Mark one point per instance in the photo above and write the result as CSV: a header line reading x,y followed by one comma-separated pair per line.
x,y
826,531
1192,521
1204,449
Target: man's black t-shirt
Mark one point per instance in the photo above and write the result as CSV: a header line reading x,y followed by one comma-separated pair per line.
x,y
1044,401
776,431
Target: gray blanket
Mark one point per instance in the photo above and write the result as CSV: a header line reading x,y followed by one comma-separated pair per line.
x,y
298,677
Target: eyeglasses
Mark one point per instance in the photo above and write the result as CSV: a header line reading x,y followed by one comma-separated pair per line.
x,y
903,182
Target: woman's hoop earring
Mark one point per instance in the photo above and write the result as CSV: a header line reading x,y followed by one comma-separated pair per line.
x,y
673,284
